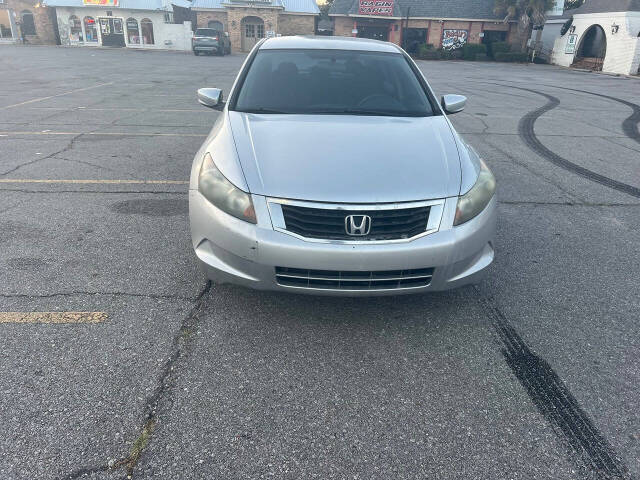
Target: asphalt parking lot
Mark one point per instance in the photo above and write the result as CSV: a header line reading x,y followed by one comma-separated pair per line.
x,y
534,373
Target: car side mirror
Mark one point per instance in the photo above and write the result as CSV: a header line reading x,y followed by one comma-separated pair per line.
x,y
453,103
211,97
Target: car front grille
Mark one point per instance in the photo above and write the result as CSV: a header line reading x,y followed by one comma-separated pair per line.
x,y
353,280
329,224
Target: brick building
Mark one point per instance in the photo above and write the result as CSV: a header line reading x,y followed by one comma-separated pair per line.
x,y
27,20
248,22
445,24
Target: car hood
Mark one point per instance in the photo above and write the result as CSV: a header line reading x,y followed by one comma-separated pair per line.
x,y
345,158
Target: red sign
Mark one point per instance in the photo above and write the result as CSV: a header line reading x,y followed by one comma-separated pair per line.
x,y
376,7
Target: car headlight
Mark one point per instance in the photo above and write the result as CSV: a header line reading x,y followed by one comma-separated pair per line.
x,y
223,194
475,200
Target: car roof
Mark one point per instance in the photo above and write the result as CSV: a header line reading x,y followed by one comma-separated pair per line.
x,y
328,43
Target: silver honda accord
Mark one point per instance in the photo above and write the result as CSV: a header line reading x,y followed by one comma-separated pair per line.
x,y
333,169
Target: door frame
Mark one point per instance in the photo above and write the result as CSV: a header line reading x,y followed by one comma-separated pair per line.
x,y
123,25
244,40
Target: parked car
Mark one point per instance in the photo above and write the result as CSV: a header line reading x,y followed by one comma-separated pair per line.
x,y
208,40
333,169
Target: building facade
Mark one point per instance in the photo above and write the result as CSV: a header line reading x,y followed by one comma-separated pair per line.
x,y
600,35
146,24
447,24
23,21
248,22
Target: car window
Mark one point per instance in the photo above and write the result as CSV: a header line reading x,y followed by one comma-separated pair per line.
x,y
206,32
332,82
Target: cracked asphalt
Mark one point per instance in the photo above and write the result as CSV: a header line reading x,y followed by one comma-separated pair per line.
x,y
534,373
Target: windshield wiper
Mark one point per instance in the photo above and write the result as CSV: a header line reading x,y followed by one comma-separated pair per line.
x,y
260,110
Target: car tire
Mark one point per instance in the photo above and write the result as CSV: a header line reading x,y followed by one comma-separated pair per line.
x,y
197,54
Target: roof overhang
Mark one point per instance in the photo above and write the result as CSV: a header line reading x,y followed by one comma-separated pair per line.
x,y
255,5
605,14
110,7
300,13
437,19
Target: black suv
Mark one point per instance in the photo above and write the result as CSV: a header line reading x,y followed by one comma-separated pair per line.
x,y
208,40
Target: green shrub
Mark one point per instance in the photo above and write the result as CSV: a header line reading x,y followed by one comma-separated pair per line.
x,y
482,57
500,47
451,54
422,48
511,57
428,54
470,50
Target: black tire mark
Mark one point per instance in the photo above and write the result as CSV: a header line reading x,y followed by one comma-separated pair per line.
x,y
631,124
555,402
526,131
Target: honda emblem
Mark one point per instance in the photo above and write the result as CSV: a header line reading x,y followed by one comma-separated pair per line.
x,y
357,225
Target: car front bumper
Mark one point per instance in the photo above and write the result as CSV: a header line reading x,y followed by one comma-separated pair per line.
x,y
234,251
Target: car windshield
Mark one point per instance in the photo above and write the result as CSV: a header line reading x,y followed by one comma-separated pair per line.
x,y
206,32
342,82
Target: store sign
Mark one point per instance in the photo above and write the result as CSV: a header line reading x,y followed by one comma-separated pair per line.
x,y
454,39
376,7
571,44
103,3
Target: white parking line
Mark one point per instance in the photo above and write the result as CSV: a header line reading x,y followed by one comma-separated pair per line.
x,y
54,96
52,317
125,182
113,109
134,134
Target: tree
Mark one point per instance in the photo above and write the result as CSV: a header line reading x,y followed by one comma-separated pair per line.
x,y
571,4
324,6
527,12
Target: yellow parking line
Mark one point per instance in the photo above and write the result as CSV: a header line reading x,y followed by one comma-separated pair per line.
x,y
54,96
130,134
52,317
127,182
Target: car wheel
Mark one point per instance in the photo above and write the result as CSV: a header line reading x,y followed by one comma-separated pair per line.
x,y
196,53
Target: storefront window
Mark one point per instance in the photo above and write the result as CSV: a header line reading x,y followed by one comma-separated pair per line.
x,y
252,30
28,25
90,30
146,26
75,29
117,26
133,33
5,24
